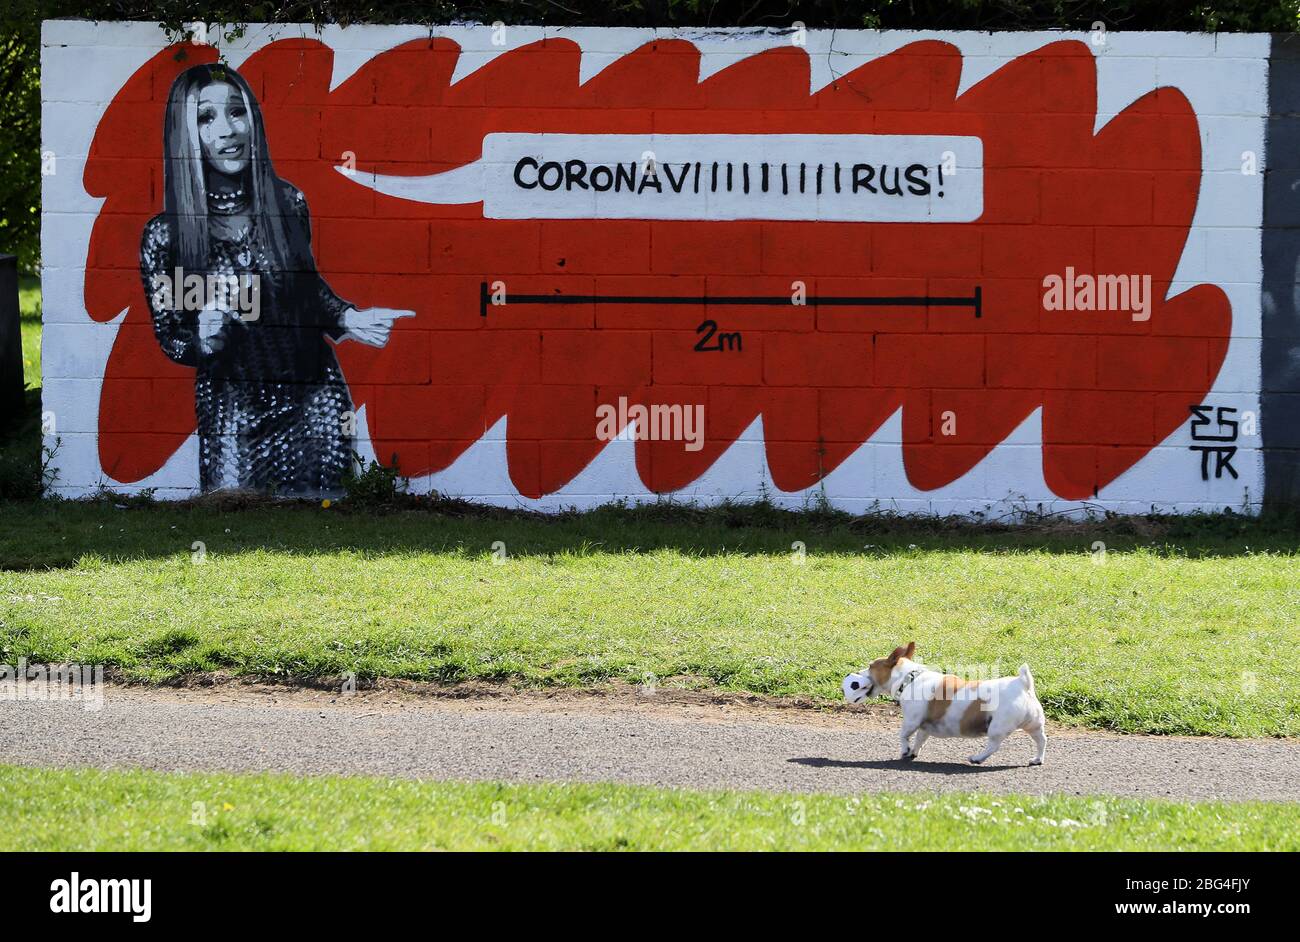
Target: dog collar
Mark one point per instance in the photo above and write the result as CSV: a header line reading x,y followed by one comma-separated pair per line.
x,y
911,676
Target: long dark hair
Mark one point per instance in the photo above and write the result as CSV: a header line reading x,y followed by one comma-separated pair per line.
x,y
185,198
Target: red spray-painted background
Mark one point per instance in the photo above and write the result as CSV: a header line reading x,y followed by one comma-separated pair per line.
x,y
823,380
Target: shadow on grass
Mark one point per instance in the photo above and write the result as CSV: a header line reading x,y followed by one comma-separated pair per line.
x,y
20,451
38,534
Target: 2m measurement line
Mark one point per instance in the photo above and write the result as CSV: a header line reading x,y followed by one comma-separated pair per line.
x,y
973,301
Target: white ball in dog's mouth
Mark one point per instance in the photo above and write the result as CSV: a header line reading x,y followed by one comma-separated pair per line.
x,y
855,687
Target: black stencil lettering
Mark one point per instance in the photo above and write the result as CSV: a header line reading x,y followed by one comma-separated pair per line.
x,y
518,173
862,174
1223,453
725,342
650,179
547,168
895,190
676,184
1202,420
575,173
917,184
1222,460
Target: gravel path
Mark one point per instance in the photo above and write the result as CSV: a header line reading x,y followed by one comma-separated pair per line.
x,y
688,741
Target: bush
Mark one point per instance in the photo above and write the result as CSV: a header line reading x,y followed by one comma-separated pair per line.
x,y
374,487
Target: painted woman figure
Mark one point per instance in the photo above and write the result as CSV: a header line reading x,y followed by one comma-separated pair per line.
x,y
272,406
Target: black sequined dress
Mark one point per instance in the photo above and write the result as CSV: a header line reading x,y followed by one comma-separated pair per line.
x,y
271,404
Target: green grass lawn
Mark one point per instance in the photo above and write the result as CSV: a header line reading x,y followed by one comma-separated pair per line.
x,y
29,326
1183,626
1191,631
110,811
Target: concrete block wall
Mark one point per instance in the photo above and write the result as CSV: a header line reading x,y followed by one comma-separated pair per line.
x,y
820,338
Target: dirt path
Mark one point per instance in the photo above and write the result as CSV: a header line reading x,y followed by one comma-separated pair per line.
x,y
671,738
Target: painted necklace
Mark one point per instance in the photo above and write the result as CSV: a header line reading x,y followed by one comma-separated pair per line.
x,y
232,203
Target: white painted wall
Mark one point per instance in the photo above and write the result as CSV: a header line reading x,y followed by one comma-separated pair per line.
x,y
1224,77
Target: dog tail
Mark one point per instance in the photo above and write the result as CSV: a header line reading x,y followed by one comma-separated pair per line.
x,y
1027,677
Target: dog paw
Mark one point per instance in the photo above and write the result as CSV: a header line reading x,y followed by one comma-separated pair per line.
x,y
907,756
1035,761
975,760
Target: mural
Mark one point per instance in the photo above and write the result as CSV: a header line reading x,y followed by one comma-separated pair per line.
x,y
876,278
269,397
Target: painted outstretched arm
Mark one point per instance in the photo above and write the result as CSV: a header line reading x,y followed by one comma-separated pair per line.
x,y
344,321
370,326
333,309
373,325
175,328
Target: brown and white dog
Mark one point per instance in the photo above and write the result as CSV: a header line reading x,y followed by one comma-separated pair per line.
x,y
936,704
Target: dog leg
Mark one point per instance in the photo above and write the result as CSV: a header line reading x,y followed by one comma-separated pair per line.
x,y
1040,740
904,741
999,730
992,746
921,737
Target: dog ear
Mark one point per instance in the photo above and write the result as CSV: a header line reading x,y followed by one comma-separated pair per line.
x,y
911,649
893,658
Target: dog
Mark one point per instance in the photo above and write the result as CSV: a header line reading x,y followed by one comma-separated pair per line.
x,y
936,704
